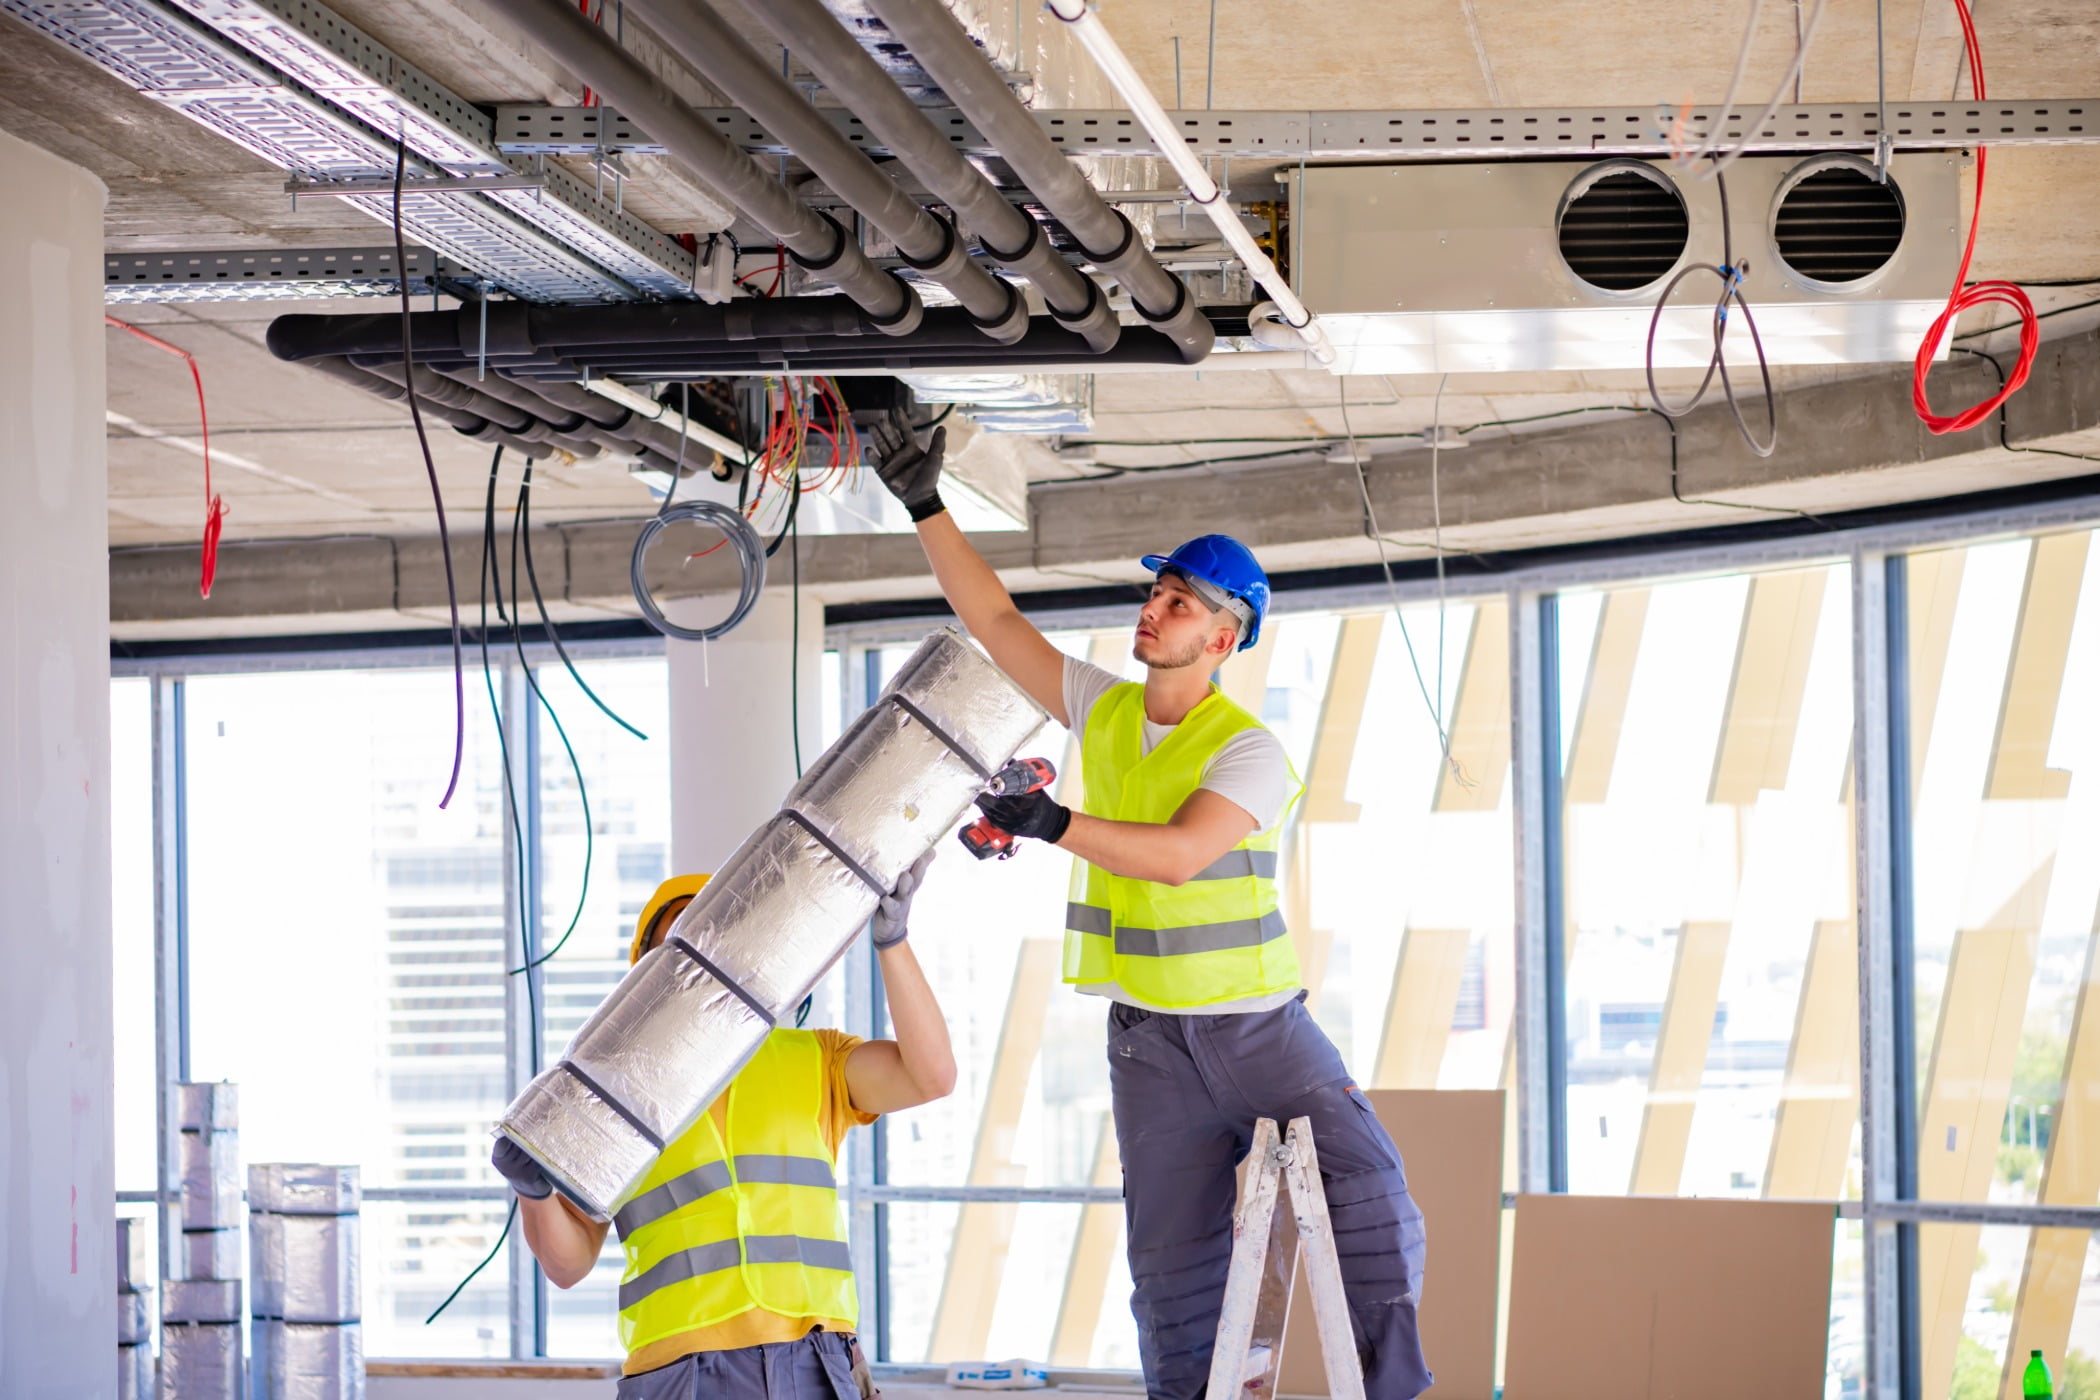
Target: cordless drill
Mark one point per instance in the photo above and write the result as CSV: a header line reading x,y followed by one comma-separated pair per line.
x,y
1022,775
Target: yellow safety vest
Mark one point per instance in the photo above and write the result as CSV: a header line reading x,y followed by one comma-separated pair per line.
x,y
724,1223
1219,937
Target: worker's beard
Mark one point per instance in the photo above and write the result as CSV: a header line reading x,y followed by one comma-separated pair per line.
x,y
1188,656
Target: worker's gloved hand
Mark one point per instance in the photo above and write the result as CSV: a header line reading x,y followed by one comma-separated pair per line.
x,y
518,1168
1032,814
912,472
888,928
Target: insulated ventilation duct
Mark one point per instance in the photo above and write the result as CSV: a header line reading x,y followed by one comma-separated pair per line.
x,y
1555,265
779,913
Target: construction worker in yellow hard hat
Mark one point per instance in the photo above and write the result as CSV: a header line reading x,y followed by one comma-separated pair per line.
x,y
738,1281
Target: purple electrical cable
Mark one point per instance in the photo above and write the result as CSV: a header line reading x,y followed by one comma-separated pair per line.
x,y
408,377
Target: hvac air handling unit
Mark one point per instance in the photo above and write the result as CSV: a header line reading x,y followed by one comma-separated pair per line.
x,y
1556,265
781,910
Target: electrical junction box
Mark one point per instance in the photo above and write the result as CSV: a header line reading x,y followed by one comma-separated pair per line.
x,y
1557,265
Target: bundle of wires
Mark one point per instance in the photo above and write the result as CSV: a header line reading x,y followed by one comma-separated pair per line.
x,y
1731,274
788,464
1965,296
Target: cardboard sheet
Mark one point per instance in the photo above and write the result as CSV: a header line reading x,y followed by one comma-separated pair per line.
x,y
1450,1141
1653,1298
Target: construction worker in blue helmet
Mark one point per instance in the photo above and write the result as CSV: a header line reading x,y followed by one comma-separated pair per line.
x,y
1173,920
738,1284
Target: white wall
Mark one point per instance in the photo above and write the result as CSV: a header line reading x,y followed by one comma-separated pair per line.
x,y
732,752
57,1128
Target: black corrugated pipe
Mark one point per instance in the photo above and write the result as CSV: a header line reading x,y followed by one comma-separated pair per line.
x,y
816,241
466,423
929,245
435,388
1010,237
619,425
950,56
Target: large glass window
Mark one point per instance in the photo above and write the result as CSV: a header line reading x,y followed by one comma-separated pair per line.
x,y
2003,644
132,966
347,963
1711,996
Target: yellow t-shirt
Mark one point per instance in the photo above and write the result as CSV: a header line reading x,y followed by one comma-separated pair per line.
x,y
758,1326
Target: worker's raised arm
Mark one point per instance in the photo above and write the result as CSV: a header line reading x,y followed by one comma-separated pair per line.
x,y
980,600
918,1065
987,611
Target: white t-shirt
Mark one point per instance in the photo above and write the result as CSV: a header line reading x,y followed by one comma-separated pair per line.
x,y
1250,770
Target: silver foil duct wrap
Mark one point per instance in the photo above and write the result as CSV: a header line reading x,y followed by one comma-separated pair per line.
x,y
208,1254
672,1025
201,1300
585,1144
771,923
303,1188
888,789
306,1361
135,1264
775,918
202,1107
211,1182
968,699
303,1268
201,1361
133,1326
135,1372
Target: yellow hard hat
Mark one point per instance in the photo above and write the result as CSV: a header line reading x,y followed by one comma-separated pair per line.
x,y
671,891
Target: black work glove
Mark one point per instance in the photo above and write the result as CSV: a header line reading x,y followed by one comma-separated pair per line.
x,y
518,1168
912,472
1032,814
888,929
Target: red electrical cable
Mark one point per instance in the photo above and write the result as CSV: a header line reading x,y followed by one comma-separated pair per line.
x,y
214,506
1983,293
590,99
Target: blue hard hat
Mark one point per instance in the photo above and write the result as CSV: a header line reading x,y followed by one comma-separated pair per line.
x,y
1226,565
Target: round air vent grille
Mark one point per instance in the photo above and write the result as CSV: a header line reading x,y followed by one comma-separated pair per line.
x,y
1835,223
1622,226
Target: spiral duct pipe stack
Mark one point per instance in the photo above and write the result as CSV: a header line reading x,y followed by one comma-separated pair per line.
x,y
200,1339
306,1325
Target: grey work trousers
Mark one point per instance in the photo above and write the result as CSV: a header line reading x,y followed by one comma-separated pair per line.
x,y
816,1367
1186,1091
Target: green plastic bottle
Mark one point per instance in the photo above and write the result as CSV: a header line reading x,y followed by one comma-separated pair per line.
x,y
2036,1384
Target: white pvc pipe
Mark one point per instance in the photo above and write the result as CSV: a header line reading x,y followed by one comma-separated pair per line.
x,y
1107,53
646,407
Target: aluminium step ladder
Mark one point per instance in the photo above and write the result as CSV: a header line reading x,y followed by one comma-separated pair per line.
x,y
1265,1248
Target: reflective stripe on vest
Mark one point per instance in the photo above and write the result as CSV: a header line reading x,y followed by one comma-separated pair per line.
x,y
746,1217
1217,937
724,1254
710,1177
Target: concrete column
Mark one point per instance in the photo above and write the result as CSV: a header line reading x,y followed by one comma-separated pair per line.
x,y
732,747
57,1135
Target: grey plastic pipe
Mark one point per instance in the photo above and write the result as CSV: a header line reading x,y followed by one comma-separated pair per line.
x,y
952,59
1011,238
931,246
817,243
